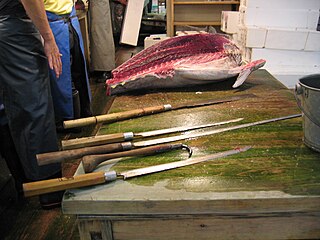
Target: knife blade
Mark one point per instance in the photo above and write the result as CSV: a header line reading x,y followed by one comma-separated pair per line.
x,y
95,178
128,136
113,117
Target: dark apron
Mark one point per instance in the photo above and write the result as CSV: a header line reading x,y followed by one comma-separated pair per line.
x,y
25,91
62,87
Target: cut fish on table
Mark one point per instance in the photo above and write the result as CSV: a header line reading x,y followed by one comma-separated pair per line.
x,y
182,61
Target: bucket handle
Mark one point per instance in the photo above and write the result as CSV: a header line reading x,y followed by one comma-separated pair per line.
x,y
298,91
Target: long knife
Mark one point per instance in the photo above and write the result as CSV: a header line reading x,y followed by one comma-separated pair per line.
x,y
113,117
53,157
90,179
129,136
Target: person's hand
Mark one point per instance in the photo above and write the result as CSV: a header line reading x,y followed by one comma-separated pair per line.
x,y
54,57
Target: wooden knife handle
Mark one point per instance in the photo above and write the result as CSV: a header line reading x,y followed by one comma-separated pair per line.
x,y
59,184
90,162
113,117
96,140
56,157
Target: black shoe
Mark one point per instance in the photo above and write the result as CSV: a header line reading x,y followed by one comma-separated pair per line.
x,y
103,76
51,200
107,75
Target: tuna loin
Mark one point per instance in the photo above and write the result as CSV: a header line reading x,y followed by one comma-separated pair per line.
x,y
182,61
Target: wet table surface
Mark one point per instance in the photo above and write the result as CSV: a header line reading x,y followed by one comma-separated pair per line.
x,y
279,167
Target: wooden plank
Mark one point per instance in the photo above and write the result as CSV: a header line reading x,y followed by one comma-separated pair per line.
x,y
213,23
229,203
92,229
83,21
170,18
190,13
258,227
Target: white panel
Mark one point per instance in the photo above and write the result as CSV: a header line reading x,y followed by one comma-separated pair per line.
x,y
131,23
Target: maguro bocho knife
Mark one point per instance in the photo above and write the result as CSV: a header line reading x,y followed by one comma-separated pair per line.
x,y
59,156
95,178
113,117
53,157
129,136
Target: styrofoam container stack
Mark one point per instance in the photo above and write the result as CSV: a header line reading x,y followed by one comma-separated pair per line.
x,y
282,32
153,39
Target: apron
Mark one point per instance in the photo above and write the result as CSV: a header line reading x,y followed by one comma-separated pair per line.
x,y
25,92
62,87
102,50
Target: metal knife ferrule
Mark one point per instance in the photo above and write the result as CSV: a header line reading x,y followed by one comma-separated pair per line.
x,y
127,146
128,136
167,107
110,176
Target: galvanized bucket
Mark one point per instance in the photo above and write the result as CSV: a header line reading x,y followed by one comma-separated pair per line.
x,y
307,94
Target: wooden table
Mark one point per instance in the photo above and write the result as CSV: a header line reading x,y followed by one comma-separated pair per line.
x,y
269,192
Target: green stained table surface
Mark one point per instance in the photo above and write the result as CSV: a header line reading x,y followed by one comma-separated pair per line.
x,y
279,165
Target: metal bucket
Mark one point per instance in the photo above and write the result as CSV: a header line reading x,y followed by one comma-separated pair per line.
x,y
307,94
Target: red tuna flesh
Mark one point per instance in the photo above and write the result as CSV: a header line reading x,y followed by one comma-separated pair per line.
x,y
182,61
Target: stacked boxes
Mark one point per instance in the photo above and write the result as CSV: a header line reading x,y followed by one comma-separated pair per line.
x,y
282,32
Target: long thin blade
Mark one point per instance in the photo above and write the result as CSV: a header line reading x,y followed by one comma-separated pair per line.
x,y
182,129
211,102
178,164
206,133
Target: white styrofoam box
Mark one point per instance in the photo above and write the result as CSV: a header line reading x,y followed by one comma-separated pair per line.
x,y
304,19
229,21
286,39
313,41
256,37
282,4
252,36
153,39
286,57
290,75
313,18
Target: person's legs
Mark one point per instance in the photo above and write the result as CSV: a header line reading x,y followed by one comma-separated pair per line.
x,y
79,75
25,88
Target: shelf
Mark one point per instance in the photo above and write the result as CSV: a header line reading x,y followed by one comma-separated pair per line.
x,y
196,13
204,23
206,3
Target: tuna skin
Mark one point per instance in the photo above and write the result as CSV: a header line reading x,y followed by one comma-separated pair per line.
x,y
182,61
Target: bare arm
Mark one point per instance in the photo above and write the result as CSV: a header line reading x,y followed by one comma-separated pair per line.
x,y
36,11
